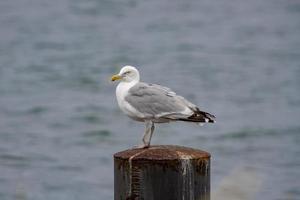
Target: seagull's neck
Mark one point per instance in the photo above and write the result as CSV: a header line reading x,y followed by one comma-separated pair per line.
x,y
121,92
123,88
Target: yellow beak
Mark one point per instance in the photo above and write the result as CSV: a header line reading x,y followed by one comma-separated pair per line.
x,y
116,77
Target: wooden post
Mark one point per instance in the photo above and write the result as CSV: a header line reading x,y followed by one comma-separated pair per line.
x,y
162,173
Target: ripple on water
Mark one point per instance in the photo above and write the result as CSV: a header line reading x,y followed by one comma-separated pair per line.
x,y
68,168
14,160
90,114
246,133
92,118
36,110
95,136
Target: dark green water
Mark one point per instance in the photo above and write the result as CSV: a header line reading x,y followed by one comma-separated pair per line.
x,y
59,121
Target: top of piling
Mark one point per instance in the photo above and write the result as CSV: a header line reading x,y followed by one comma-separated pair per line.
x,y
163,152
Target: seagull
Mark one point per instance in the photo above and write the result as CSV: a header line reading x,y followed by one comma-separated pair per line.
x,y
153,103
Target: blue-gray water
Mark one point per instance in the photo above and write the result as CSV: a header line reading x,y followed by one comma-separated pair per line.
x,y
59,121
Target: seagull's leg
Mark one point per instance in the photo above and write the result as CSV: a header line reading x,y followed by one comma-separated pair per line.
x,y
151,132
148,134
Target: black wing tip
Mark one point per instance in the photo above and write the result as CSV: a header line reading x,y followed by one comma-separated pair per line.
x,y
203,117
211,118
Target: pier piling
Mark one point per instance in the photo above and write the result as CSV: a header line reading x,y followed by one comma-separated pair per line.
x,y
163,172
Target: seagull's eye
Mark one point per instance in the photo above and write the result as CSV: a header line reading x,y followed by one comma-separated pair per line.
x,y
125,73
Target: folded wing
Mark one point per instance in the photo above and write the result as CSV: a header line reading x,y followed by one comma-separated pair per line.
x,y
156,101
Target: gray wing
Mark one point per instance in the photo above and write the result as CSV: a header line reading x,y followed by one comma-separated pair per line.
x,y
156,101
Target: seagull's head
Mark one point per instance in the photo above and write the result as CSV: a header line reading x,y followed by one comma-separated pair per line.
x,y
127,74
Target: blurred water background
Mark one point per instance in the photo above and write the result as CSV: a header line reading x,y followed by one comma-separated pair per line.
x,y
59,120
